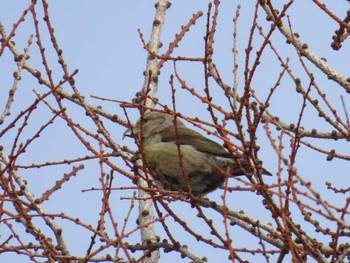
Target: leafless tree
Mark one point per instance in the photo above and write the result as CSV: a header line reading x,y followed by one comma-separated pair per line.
x,y
296,122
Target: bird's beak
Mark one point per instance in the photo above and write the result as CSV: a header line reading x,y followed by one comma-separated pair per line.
x,y
127,133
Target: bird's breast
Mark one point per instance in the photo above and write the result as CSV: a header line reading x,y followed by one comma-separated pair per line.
x,y
164,157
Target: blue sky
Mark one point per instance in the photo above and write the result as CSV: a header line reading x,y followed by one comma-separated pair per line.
x,y
101,40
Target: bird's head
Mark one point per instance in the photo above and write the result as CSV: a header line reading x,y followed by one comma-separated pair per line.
x,y
152,124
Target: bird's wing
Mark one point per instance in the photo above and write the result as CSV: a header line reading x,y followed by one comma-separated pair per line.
x,y
195,139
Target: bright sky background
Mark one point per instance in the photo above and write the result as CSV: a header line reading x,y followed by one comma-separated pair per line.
x,y
100,39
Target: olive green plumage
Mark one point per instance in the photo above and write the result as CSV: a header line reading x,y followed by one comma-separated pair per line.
x,y
202,158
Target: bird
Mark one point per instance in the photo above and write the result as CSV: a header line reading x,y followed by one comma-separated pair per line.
x,y
203,163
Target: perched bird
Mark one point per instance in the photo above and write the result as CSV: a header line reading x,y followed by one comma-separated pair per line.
x,y
203,161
